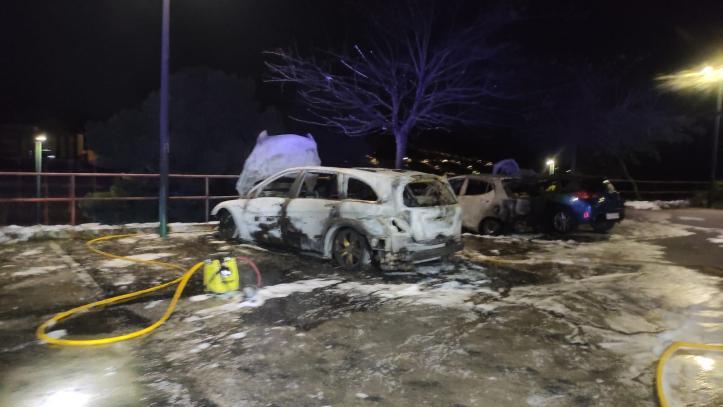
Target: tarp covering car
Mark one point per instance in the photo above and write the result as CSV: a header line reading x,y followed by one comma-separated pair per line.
x,y
275,153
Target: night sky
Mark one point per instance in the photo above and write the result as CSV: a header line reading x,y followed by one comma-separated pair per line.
x,y
65,63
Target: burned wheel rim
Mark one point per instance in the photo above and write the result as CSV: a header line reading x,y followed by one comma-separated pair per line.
x,y
349,249
562,222
491,226
226,225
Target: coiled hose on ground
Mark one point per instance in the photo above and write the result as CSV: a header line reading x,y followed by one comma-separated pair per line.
x,y
180,281
667,354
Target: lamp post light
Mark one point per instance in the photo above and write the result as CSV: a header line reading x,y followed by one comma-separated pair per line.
x,y
703,79
39,140
550,163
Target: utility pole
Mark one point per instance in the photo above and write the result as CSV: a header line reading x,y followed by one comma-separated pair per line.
x,y
39,140
164,142
714,154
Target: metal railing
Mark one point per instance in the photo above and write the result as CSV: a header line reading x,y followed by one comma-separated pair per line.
x,y
72,198
649,189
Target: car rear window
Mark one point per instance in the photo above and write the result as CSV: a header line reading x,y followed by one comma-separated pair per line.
x,y
428,193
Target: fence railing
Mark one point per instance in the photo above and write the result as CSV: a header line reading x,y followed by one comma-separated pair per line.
x,y
72,198
658,189
23,190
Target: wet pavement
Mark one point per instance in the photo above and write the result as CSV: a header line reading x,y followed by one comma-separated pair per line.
x,y
522,320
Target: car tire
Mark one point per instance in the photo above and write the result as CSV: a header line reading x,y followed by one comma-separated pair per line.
x,y
226,225
603,226
562,221
349,249
490,226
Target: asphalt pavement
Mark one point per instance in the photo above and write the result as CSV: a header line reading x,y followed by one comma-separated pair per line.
x,y
518,320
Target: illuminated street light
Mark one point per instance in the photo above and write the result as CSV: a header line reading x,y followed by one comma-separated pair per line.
x,y
702,79
39,140
550,163
697,79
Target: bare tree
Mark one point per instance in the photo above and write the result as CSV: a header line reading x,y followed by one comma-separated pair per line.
x,y
412,75
596,112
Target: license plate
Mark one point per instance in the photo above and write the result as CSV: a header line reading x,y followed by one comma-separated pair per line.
x,y
613,215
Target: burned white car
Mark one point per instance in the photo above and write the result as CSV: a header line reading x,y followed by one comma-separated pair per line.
x,y
392,218
488,202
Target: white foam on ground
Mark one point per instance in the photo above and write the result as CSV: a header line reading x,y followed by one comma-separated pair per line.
x,y
716,240
657,205
57,334
35,271
446,294
692,218
115,263
237,335
125,279
15,233
238,301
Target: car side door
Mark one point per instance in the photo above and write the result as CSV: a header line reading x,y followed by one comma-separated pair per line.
x,y
262,215
476,196
308,213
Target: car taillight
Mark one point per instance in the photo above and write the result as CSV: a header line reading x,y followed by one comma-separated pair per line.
x,y
581,195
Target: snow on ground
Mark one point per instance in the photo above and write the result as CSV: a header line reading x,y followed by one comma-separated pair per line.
x,y
116,263
35,271
657,205
449,294
14,233
717,240
238,301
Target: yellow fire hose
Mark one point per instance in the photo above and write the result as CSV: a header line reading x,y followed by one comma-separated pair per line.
x,y
181,281
664,358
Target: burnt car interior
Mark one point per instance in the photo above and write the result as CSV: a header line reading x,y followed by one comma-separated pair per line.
x,y
427,193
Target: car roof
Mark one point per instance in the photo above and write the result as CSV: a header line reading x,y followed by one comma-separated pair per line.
x,y
483,176
372,173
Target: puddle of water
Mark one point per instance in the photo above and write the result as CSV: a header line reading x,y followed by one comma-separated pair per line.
x,y
71,377
305,311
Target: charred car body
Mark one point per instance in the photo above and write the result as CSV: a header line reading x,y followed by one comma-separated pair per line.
x,y
393,218
488,205
558,204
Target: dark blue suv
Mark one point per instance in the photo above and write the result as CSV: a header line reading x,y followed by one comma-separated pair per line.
x,y
567,201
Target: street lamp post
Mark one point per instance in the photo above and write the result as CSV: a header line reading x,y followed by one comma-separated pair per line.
x,y
703,79
550,166
164,143
39,140
716,137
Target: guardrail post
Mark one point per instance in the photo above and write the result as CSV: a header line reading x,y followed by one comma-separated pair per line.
x,y
71,203
205,199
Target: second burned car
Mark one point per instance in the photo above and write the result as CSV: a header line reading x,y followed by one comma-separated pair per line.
x,y
392,218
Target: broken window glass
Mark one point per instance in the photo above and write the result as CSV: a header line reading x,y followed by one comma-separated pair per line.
x,y
319,186
278,188
428,193
357,189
